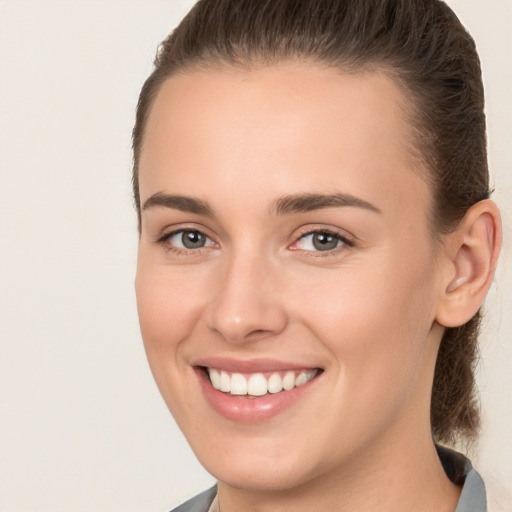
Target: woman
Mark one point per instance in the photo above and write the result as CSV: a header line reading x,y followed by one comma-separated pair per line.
x,y
316,240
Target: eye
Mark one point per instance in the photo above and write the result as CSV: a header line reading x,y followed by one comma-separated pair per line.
x,y
320,241
189,239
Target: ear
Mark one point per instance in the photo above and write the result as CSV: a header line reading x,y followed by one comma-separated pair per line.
x,y
472,253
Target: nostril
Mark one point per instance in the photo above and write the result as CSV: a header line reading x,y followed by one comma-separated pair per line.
x,y
257,332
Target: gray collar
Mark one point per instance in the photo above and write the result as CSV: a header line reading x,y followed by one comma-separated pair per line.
x,y
460,471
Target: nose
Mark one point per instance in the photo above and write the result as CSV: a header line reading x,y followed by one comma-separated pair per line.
x,y
247,304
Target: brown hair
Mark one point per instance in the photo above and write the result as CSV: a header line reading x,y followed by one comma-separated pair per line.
x,y
424,47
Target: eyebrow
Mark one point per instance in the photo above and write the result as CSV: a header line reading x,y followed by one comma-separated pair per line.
x,y
294,203
301,203
183,203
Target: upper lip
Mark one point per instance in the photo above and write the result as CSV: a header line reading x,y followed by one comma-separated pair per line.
x,y
250,365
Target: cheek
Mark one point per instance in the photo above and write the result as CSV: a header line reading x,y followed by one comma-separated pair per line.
x,y
169,304
376,325
374,318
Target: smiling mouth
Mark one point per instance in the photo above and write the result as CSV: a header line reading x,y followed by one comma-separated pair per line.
x,y
253,385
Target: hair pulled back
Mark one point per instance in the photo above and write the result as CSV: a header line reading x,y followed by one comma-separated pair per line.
x,y
425,49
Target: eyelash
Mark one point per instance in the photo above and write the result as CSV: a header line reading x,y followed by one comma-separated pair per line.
x,y
164,241
345,243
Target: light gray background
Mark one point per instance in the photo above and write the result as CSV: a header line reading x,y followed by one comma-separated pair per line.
x,y
82,426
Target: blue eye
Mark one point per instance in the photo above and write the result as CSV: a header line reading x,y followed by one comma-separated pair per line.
x,y
188,239
321,241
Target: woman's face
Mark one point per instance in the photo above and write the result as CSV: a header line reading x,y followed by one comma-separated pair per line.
x,y
285,243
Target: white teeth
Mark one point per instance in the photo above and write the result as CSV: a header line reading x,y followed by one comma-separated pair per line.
x,y
289,381
301,379
238,384
257,384
275,383
215,378
225,382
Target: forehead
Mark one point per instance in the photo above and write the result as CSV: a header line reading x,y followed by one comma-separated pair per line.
x,y
310,126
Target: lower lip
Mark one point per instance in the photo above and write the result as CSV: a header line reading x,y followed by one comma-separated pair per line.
x,y
251,410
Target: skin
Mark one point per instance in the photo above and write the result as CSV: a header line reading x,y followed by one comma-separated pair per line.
x,y
367,312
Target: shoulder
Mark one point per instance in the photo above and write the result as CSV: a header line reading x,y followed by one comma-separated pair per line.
x,y
200,503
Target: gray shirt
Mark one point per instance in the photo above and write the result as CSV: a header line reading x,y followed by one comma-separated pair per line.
x,y
457,467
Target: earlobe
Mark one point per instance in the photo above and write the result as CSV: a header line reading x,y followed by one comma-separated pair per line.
x,y
473,253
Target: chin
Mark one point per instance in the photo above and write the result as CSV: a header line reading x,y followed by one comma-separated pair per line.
x,y
273,477
259,471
